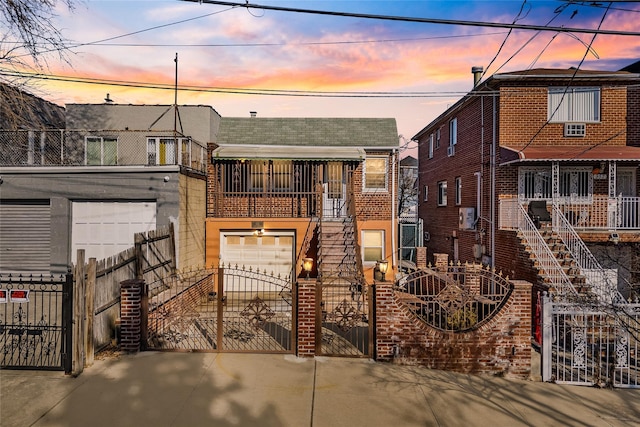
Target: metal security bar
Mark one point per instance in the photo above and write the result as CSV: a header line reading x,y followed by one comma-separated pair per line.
x,y
35,322
264,188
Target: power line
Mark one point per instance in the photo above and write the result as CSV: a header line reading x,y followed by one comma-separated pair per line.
x,y
423,20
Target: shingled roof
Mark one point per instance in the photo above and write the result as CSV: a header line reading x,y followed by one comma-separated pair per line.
x,y
309,132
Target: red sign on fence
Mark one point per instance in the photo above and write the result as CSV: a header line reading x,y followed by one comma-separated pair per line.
x,y
19,295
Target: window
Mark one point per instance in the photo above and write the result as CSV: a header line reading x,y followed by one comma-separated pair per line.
x,y
161,151
442,193
431,146
256,175
458,190
282,175
372,245
576,183
574,104
426,193
375,174
453,132
534,183
101,151
438,138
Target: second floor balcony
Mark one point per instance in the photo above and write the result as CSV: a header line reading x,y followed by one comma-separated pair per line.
x,y
37,148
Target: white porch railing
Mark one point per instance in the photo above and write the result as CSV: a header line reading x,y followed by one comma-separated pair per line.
x,y
597,278
513,216
604,213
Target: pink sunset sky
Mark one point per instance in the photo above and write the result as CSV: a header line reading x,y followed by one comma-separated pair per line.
x,y
255,49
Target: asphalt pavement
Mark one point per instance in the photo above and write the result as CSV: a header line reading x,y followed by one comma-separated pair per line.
x,y
223,389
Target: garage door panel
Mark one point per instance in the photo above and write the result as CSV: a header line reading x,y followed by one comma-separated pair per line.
x,y
25,237
104,229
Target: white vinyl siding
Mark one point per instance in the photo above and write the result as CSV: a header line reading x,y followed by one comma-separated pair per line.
x,y
574,104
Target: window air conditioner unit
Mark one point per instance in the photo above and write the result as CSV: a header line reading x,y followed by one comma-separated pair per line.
x,y
451,150
575,129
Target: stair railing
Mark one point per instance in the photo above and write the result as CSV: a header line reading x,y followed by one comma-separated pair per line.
x,y
306,244
596,276
547,262
351,213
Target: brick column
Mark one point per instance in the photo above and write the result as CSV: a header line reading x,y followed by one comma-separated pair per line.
x,y
440,261
520,366
130,314
388,333
421,257
306,345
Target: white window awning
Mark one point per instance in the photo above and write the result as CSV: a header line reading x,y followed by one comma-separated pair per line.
x,y
287,152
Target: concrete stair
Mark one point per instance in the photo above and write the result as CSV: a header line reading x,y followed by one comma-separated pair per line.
x,y
337,250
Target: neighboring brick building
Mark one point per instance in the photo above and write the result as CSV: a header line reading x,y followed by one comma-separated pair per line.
x,y
565,137
282,189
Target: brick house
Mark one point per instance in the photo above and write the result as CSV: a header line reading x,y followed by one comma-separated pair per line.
x,y
283,189
107,172
536,173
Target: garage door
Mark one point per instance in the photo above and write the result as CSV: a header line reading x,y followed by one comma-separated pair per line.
x,y
25,237
104,229
271,252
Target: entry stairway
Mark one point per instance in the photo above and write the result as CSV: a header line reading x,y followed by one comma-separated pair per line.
x,y
564,262
338,258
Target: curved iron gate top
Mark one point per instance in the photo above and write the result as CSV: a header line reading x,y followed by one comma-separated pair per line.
x,y
222,309
458,298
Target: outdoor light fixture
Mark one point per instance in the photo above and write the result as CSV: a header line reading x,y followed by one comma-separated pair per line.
x,y
383,267
307,265
259,233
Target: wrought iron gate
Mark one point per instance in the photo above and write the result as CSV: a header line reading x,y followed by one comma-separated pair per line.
x,y
345,317
225,309
35,322
591,345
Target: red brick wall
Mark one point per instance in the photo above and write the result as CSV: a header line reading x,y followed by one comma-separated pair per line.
x,y
633,116
306,345
500,346
130,314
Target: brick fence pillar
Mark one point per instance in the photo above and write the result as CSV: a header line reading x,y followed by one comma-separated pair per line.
x,y
421,257
130,314
440,261
307,297
388,334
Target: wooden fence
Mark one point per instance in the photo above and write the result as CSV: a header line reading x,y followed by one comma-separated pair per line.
x,y
97,288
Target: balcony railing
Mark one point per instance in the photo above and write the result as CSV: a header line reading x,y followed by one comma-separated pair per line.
x,y
100,148
620,213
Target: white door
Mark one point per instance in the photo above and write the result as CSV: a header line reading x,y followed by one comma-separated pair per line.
x,y
104,229
271,253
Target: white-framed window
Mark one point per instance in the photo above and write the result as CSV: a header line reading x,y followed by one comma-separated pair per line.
x,y
431,146
372,245
438,138
426,193
442,193
573,104
458,190
101,150
534,183
576,183
162,151
453,132
374,174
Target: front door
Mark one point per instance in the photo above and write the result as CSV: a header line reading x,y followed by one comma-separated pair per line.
x,y
334,191
628,206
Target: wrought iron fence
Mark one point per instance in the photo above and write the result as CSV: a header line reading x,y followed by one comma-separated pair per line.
x,y
222,309
35,322
458,298
100,148
587,344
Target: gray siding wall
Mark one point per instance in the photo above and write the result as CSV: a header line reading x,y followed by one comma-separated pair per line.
x,y
62,186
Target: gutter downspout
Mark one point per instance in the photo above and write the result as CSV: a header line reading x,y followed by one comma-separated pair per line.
x,y
394,225
493,185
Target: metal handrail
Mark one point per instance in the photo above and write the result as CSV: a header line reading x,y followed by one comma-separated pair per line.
x,y
589,266
548,264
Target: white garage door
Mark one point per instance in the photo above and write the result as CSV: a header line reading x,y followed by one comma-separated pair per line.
x,y
272,252
103,229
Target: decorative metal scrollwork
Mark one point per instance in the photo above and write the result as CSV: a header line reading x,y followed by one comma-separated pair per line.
x,y
257,313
